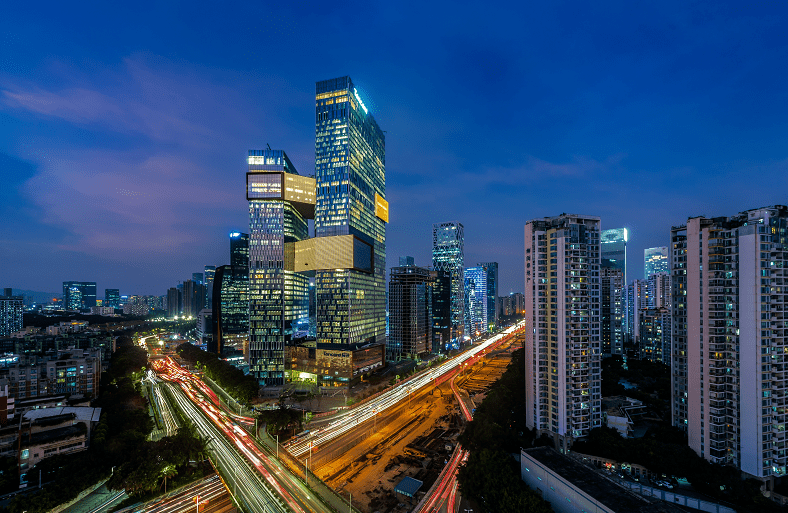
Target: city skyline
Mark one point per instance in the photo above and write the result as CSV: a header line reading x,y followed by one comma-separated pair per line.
x,y
122,160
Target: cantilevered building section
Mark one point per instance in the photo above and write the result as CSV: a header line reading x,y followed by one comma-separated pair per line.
x,y
734,308
562,309
351,213
280,202
448,254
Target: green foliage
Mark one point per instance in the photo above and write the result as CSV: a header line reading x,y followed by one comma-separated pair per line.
x,y
281,420
491,477
241,387
665,451
9,475
648,377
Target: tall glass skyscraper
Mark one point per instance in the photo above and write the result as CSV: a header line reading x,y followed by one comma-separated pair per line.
x,y
112,298
350,219
492,293
231,299
475,301
87,294
448,254
656,260
280,202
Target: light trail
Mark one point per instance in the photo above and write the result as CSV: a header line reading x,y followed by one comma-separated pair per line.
x,y
349,419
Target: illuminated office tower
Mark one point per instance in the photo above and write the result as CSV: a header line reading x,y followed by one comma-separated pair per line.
x,y
87,293
350,223
614,256
448,254
475,287
231,300
112,298
280,203
612,310
562,311
198,278
656,260
736,343
492,294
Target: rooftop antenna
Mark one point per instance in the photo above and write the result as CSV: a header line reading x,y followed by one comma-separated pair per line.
x,y
268,145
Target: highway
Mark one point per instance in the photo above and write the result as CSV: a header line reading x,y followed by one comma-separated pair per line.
x,y
348,420
258,481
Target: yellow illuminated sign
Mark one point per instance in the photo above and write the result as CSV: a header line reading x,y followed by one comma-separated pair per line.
x,y
381,208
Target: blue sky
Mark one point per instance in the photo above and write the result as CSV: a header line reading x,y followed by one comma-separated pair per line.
x,y
124,129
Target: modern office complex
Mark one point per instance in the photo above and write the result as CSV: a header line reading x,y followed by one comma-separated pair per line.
x,y
111,298
656,260
448,254
492,293
280,203
11,310
174,302
231,300
476,311
441,310
87,294
562,346
410,312
612,310
193,297
733,304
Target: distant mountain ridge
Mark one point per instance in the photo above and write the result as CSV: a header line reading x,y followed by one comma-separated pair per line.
x,y
35,296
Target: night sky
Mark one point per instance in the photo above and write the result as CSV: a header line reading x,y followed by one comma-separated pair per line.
x,y
124,127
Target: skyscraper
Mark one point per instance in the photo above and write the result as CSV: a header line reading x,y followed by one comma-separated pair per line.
x,y
173,302
112,298
197,278
475,286
492,294
678,287
614,248
736,347
448,254
231,300
87,291
210,271
637,300
441,309
280,202
351,213
656,260
614,256
562,309
410,315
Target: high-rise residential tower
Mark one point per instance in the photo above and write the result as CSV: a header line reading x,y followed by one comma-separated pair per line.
x,y
448,254
735,374
87,291
11,310
562,309
612,310
614,256
656,260
280,203
351,213
678,362
492,294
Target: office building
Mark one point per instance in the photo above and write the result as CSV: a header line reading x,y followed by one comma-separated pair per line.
x,y
448,254
562,310
210,271
231,301
197,278
475,285
492,294
612,310
351,213
280,203
614,248
193,297
656,260
111,298
733,306
654,335
87,294
441,310
11,312
410,312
